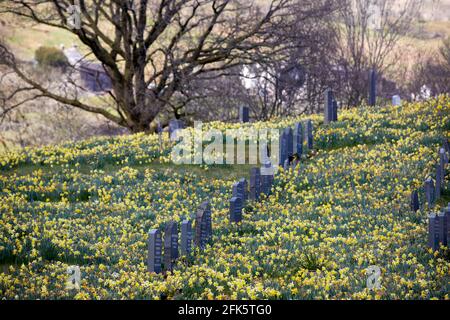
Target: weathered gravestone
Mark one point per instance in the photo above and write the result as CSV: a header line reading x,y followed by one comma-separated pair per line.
x,y
372,87
290,141
433,231
170,245
414,201
396,101
283,148
186,237
437,193
429,190
298,139
328,106
309,134
244,114
203,227
154,251
335,110
266,177
255,183
235,209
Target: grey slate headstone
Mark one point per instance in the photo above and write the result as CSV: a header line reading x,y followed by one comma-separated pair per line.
x,y
255,183
290,141
186,237
298,139
266,178
170,245
203,227
433,231
283,147
244,114
447,214
235,209
309,134
372,87
335,110
414,201
328,106
429,191
154,251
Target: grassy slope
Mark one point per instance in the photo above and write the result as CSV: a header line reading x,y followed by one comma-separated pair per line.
x,y
344,208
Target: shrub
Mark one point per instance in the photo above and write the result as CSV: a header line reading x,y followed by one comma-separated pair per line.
x,y
51,57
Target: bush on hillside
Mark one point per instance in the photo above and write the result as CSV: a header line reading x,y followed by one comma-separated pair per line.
x,y
51,57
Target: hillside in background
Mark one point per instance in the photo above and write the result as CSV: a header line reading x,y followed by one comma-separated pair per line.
x,y
346,206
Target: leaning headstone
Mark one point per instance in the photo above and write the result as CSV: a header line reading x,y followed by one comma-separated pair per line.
x,y
235,190
433,231
372,87
429,190
255,183
396,101
154,251
244,114
437,192
309,134
328,106
170,245
335,110
298,139
235,209
186,237
414,201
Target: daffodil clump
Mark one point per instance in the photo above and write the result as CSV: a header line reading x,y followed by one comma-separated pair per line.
x,y
343,208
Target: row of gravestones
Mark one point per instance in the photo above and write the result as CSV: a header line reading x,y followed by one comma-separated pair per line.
x,y
159,259
291,150
438,223
291,143
163,257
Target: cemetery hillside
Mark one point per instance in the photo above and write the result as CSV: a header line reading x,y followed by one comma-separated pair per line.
x,y
365,197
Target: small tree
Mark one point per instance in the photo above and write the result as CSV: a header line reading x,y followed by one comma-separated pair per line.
x,y
51,57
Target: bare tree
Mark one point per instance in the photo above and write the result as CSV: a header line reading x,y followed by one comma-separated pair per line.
x,y
432,72
149,48
367,32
